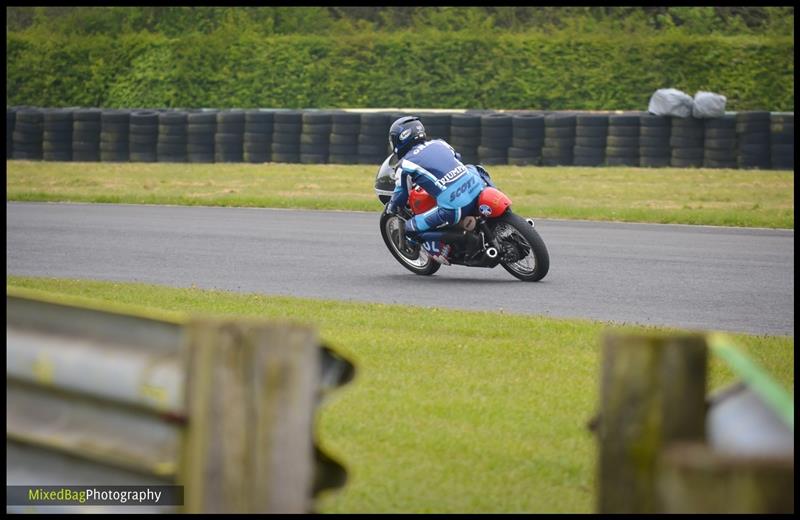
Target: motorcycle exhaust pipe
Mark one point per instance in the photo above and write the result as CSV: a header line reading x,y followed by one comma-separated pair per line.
x,y
529,221
491,252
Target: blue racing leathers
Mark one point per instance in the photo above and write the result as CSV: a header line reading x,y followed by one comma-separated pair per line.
x,y
434,166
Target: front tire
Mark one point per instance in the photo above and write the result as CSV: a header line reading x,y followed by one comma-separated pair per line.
x,y
512,231
414,259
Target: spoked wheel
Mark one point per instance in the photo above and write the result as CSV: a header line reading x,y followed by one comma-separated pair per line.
x,y
523,254
413,258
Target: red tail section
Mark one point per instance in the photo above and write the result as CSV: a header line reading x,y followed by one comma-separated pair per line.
x,y
493,202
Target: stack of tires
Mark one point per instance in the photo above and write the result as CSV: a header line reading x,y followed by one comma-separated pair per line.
x,y
27,137
591,131
559,139
465,136
315,137
437,126
496,132
719,145
687,139
622,143
373,137
57,136
11,114
201,130
114,135
286,136
143,136
527,139
172,135
345,127
753,140
654,148
782,141
258,125
229,136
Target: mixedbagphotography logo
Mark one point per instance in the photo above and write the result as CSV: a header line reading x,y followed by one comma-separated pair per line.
x,y
94,495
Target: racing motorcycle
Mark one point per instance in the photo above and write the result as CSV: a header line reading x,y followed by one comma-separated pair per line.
x,y
493,236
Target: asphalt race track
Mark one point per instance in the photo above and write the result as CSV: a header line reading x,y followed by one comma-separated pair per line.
x,y
694,277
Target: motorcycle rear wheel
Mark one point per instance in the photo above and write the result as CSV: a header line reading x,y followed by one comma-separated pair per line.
x,y
414,258
513,229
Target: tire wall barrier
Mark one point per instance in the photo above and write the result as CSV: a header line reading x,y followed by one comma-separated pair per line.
x,y
745,140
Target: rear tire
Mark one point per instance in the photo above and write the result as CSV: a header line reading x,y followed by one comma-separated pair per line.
x,y
538,251
415,260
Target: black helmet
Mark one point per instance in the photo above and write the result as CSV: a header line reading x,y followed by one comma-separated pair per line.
x,y
405,133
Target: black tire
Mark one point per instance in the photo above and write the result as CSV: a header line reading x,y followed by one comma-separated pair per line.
x,y
345,129
656,142
250,157
559,132
623,131
465,131
313,158
495,142
656,132
719,155
315,139
614,141
528,143
731,165
625,120
286,137
589,160
654,121
85,126
591,121
198,157
630,160
654,161
390,225
343,149
534,243
142,156
591,132
285,157
682,142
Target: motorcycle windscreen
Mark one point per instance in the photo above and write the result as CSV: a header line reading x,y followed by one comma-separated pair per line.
x,y
385,179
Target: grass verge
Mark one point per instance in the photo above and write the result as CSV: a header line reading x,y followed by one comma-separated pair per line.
x,y
678,196
450,411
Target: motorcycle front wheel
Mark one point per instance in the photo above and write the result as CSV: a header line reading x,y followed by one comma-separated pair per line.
x,y
413,258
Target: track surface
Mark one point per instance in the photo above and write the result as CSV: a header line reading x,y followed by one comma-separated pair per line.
x,y
692,277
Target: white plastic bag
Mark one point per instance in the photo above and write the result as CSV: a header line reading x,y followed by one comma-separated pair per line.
x,y
708,105
670,102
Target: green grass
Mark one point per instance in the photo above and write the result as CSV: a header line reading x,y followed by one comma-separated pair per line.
x,y
450,411
686,196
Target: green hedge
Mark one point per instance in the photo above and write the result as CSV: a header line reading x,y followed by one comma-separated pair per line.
x,y
412,69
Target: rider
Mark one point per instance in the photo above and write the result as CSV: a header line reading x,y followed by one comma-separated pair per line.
x,y
437,168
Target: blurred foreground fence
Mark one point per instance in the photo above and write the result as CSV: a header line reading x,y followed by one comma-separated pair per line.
x,y
224,408
664,448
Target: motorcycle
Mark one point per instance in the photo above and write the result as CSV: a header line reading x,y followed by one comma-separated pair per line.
x,y
494,235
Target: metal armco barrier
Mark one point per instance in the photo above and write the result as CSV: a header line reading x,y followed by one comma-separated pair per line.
x,y
223,407
655,453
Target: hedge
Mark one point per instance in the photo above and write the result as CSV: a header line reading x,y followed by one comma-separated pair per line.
x,y
412,69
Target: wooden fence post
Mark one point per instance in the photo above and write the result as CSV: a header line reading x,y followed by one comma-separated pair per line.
x,y
652,393
252,391
695,479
